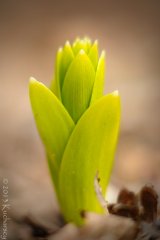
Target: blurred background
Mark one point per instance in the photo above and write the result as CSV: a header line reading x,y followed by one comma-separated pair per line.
x,y
30,33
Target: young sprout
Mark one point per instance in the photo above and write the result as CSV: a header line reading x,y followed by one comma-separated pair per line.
x,y
79,78
78,126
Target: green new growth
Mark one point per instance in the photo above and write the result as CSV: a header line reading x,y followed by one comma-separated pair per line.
x,y
78,126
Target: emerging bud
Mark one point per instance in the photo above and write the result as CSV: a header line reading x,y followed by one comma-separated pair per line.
x,y
79,78
79,137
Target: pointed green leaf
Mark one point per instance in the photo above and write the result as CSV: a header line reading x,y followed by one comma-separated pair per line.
x,y
93,54
88,43
78,85
90,149
53,122
66,60
55,83
98,87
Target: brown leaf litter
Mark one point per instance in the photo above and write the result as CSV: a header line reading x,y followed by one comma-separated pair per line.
x,y
132,217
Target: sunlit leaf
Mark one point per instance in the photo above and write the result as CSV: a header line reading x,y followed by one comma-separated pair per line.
x,y
55,83
88,43
53,122
98,87
78,85
90,149
67,58
93,54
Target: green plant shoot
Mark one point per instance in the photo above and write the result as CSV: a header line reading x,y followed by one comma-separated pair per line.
x,y
78,126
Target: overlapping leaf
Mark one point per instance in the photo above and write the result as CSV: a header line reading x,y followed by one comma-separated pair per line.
x,y
66,60
93,55
55,83
78,85
98,87
53,122
90,149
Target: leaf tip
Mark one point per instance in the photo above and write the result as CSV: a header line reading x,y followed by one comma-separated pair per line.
x,y
33,83
60,49
115,93
81,52
103,54
32,80
67,44
96,42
